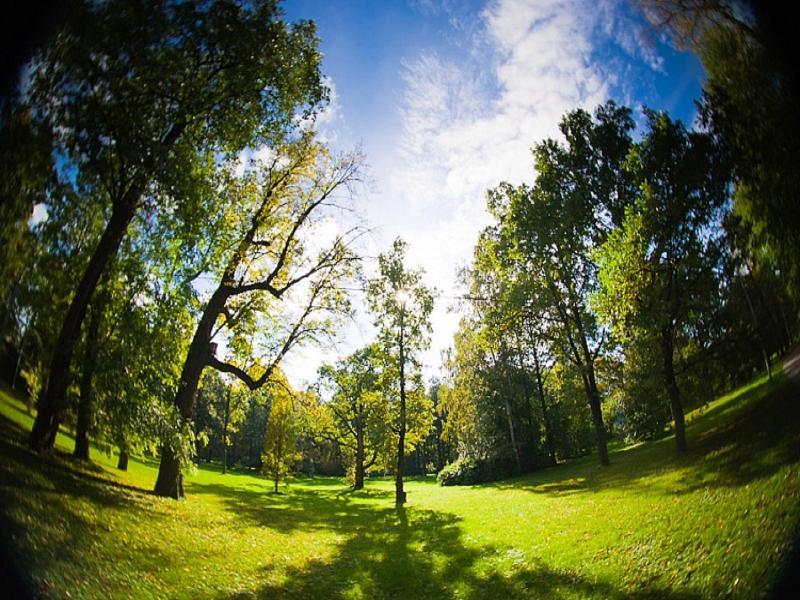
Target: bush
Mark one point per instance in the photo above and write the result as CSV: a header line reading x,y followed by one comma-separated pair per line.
x,y
468,471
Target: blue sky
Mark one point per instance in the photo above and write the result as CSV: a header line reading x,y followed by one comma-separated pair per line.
x,y
446,98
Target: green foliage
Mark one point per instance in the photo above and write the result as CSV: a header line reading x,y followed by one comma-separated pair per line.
x,y
398,295
469,471
280,452
356,415
717,523
25,174
751,107
659,268
401,305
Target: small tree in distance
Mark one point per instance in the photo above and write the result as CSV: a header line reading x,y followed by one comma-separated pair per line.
x,y
280,440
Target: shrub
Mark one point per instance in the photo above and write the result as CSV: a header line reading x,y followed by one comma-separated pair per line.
x,y
468,471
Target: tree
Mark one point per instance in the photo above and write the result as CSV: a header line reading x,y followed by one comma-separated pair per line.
x,y
280,452
553,227
750,100
658,270
227,404
271,261
401,305
355,416
25,175
139,90
86,401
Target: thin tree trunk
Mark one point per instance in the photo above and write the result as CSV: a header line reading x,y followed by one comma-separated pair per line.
x,y
511,433
787,346
51,402
359,474
85,407
400,494
122,463
672,389
597,419
548,429
18,366
439,443
593,397
225,432
758,331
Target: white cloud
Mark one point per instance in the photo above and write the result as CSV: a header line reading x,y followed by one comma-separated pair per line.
x,y
470,115
470,125
38,214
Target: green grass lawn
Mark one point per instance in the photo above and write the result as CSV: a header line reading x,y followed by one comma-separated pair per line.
x,y
717,522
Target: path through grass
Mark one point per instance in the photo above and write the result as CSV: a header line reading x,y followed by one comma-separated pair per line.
x,y
716,522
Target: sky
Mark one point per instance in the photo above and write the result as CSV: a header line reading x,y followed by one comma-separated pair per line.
x,y
446,98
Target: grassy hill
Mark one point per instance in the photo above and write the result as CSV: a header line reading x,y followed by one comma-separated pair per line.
x,y
719,521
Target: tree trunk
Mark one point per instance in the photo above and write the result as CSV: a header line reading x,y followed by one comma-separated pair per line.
x,y
122,463
548,429
51,401
359,474
400,494
758,331
225,432
85,407
593,397
170,479
597,421
672,389
511,433
439,444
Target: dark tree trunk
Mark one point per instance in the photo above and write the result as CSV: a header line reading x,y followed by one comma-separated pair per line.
x,y
170,479
400,494
511,433
758,331
439,444
359,474
122,463
225,432
597,420
51,402
593,397
548,428
85,405
672,389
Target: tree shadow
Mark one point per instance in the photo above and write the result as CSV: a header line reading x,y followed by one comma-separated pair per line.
x,y
47,509
388,552
746,439
413,553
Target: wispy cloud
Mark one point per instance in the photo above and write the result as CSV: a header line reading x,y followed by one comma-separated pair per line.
x,y
468,124
471,109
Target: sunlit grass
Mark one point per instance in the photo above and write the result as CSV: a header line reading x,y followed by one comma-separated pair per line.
x,y
716,522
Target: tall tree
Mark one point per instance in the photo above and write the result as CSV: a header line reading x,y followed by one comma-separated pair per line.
x,y
553,227
401,305
272,258
658,270
135,90
750,98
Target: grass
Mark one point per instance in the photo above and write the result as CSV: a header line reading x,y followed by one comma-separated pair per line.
x,y
719,521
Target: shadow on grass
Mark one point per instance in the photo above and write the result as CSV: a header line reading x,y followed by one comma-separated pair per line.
x,y
386,552
47,507
732,444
